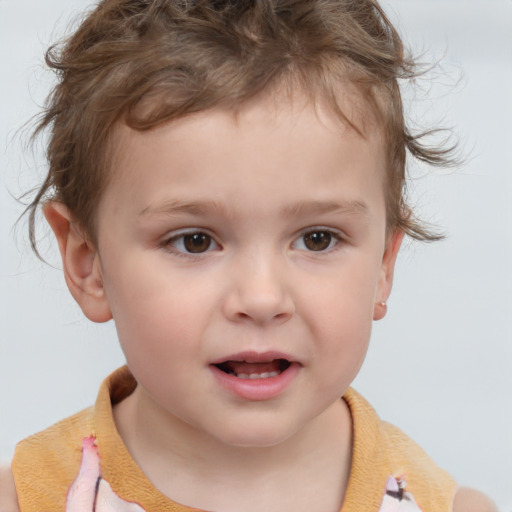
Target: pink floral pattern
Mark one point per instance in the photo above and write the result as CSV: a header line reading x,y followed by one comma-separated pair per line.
x,y
89,492
397,499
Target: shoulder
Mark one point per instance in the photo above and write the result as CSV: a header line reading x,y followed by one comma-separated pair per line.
x,y
8,497
469,500
45,464
382,449
54,448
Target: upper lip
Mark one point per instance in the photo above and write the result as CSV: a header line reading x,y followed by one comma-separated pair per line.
x,y
255,357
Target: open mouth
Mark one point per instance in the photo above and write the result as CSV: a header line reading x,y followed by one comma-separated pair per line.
x,y
260,370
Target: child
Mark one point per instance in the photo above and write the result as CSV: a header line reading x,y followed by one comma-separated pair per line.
x,y
226,183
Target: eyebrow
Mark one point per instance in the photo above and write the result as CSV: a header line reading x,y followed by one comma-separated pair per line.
x,y
301,208
189,207
322,207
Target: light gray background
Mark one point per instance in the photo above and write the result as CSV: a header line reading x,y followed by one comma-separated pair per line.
x,y
440,363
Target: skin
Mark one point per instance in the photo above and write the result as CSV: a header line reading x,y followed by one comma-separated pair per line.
x,y
259,185
276,171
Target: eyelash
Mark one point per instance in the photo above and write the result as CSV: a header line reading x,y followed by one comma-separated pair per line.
x,y
334,240
180,238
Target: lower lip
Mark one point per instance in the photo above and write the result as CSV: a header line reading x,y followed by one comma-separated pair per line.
x,y
257,389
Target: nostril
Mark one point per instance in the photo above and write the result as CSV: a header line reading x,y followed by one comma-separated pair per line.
x,y
260,313
260,301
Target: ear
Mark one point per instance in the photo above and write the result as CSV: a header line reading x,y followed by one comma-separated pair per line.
x,y
81,263
386,274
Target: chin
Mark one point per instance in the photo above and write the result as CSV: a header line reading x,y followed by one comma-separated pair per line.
x,y
254,437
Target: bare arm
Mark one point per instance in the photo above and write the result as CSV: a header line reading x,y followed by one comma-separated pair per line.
x,y
8,498
469,500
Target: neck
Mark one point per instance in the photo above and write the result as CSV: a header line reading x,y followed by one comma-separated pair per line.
x,y
316,459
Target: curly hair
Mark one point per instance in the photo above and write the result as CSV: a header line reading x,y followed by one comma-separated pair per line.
x,y
147,62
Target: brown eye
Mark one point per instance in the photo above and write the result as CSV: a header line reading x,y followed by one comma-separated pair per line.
x,y
317,240
197,242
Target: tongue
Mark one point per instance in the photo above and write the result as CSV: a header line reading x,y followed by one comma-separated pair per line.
x,y
238,367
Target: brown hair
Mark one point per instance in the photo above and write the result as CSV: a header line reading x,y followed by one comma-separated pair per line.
x,y
175,57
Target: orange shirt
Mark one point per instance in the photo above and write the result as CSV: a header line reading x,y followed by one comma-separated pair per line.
x,y
46,464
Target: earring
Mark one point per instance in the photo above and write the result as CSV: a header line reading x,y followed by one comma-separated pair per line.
x,y
380,310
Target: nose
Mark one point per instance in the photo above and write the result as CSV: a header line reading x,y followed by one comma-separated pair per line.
x,y
259,292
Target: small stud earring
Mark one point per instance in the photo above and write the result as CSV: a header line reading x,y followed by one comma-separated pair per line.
x,y
380,310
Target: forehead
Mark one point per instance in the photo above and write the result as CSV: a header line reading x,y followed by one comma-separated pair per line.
x,y
283,147
346,112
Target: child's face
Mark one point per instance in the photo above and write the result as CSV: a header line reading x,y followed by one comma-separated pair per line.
x,y
255,245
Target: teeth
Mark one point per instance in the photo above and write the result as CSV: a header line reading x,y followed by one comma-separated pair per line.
x,y
264,375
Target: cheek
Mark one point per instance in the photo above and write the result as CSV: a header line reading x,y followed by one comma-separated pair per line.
x,y
343,299
153,319
339,311
342,342
160,336
145,292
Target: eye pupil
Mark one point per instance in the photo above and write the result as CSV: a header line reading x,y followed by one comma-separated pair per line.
x,y
197,242
318,240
